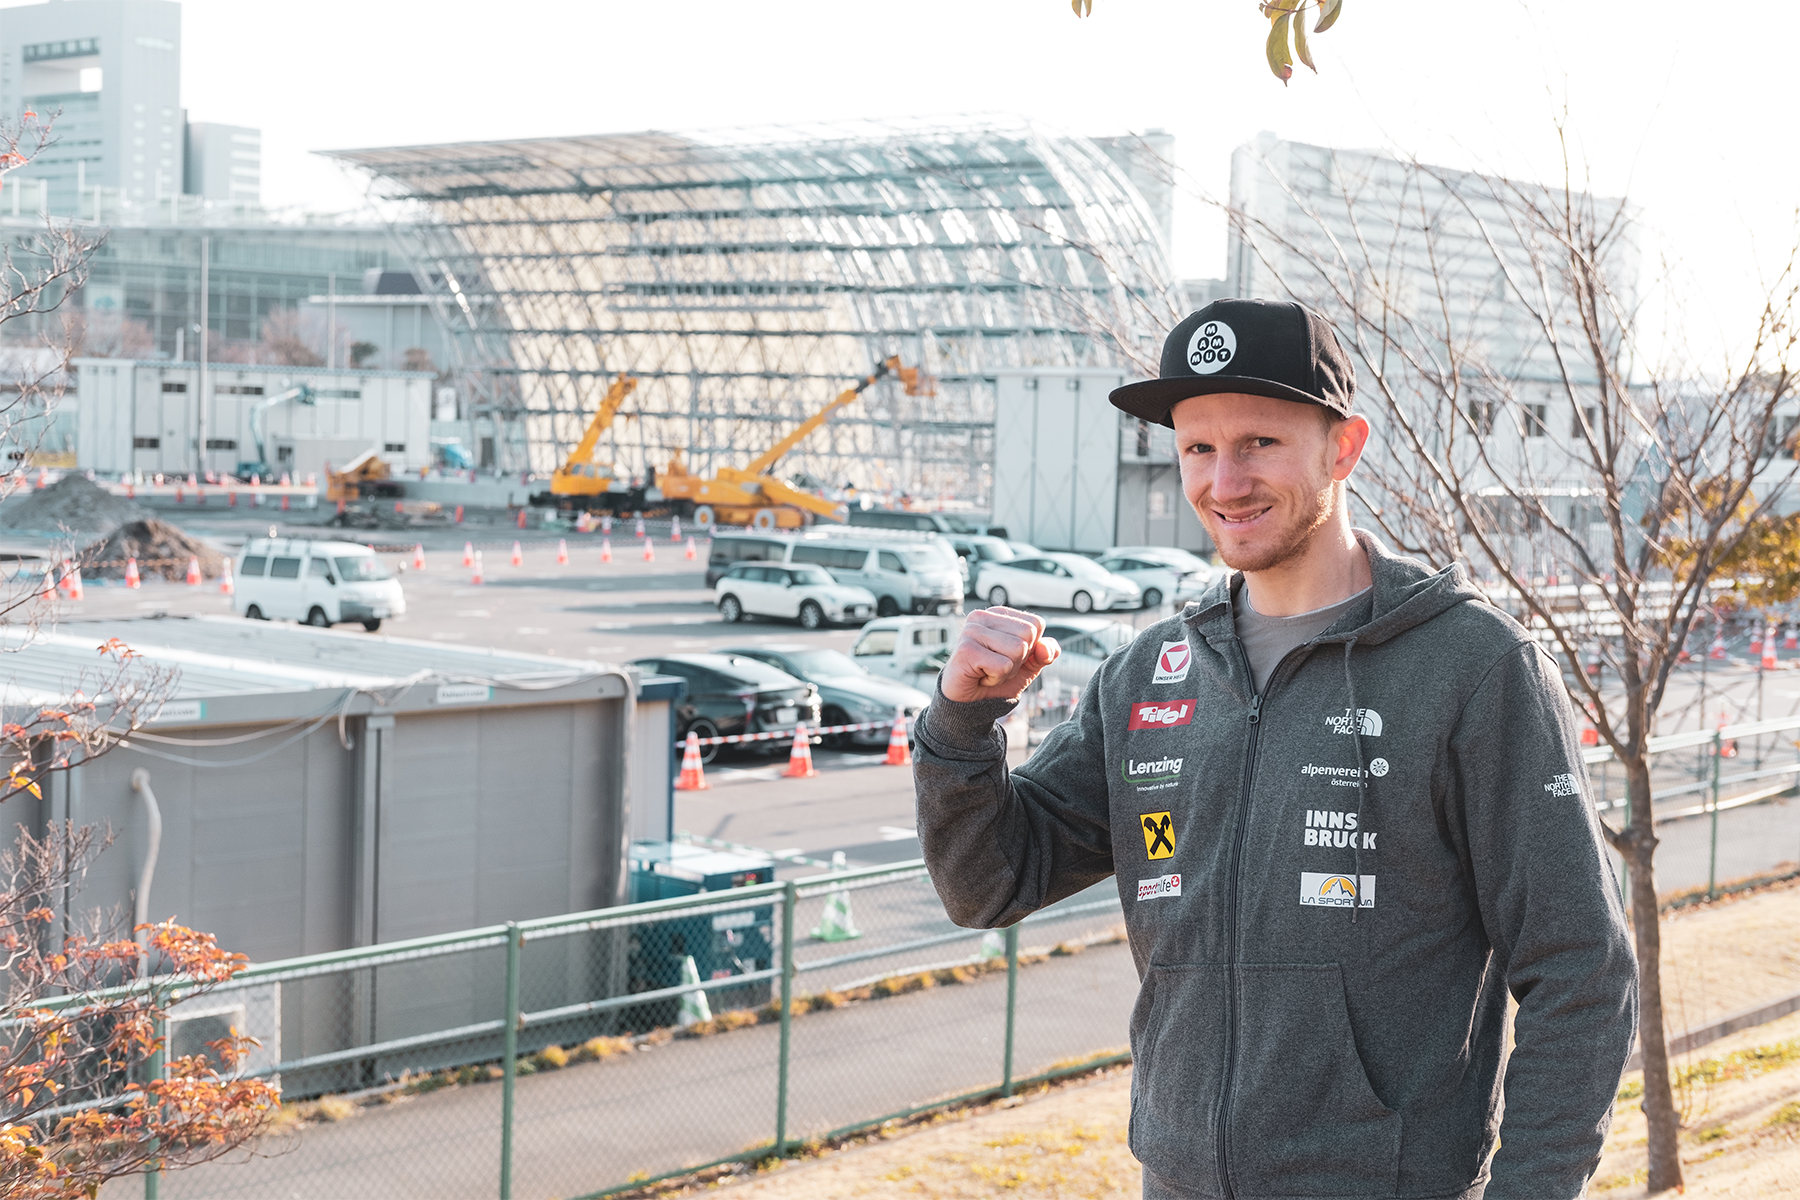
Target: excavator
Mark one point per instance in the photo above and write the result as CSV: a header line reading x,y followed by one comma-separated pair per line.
x,y
754,497
583,483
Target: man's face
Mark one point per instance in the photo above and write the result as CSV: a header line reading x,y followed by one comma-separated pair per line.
x,y
1262,474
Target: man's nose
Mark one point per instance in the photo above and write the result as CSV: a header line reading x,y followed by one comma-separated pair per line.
x,y
1230,480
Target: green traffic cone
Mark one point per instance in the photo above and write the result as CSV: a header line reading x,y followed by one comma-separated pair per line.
x,y
835,923
694,1008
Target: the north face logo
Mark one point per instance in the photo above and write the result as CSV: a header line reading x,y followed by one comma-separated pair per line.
x,y
1172,664
1342,722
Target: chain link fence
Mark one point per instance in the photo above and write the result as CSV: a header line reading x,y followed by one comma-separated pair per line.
x,y
581,1055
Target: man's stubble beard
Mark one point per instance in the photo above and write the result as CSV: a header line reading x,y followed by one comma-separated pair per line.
x,y
1291,542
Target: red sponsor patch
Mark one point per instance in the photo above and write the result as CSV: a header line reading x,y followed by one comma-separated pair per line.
x,y
1161,714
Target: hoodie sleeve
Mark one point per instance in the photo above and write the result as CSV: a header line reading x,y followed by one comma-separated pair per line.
x,y
1001,844
1550,905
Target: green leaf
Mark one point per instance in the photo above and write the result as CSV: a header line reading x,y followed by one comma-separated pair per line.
x,y
1301,49
1328,15
1280,62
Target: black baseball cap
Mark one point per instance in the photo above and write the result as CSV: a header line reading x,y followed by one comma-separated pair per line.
x,y
1270,348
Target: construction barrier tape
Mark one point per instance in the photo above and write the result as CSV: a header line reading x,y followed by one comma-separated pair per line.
x,y
732,739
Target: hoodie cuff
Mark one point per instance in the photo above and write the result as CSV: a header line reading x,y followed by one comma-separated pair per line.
x,y
966,726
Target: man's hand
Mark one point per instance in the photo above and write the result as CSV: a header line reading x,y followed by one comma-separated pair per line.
x,y
1000,652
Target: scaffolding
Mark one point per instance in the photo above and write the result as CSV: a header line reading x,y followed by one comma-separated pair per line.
x,y
745,277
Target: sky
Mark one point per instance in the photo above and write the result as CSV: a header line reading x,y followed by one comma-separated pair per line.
x,y
1679,106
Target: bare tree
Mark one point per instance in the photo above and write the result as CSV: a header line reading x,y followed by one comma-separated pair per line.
x,y
1525,427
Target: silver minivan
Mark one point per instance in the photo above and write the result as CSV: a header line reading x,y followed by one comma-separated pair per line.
x,y
319,583
906,572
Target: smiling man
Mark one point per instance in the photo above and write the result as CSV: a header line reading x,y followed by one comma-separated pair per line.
x,y
1329,718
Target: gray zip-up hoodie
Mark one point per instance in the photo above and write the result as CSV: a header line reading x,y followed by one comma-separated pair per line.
x,y
1330,889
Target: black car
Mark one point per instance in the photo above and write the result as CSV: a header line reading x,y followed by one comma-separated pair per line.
x,y
730,693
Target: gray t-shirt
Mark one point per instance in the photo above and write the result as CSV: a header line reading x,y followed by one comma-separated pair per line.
x,y
1268,639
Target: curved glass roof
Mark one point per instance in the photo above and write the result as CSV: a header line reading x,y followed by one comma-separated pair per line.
x,y
746,277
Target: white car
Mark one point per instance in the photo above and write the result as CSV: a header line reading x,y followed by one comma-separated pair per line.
x,y
1057,581
319,583
1160,572
804,593
1084,643
909,650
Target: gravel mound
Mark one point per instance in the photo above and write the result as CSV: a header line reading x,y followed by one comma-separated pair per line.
x,y
160,549
72,502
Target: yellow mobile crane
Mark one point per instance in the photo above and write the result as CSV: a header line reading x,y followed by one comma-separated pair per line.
x,y
583,483
752,496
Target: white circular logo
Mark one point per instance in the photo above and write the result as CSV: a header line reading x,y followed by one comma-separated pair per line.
x,y
1378,767
1212,346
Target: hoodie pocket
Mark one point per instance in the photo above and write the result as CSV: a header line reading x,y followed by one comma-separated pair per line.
x,y
1304,1119
1178,1056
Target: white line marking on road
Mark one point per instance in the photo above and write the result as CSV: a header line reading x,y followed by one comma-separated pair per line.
x,y
893,833
783,853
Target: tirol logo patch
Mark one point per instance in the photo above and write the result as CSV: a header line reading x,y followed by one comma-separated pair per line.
x,y
1173,662
1159,714
1344,722
1162,885
1212,346
1151,775
1159,834
1336,891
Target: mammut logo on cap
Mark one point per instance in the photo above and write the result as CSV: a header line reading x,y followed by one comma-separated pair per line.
x,y
1212,346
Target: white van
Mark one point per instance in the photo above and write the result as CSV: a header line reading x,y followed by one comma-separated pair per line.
x,y
909,650
319,583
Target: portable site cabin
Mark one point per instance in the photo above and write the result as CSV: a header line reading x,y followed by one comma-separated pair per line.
x,y
321,790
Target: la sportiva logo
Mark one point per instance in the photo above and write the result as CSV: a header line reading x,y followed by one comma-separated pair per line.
x,y
1345,722
1157,714
1172,662
1336,891
1212,346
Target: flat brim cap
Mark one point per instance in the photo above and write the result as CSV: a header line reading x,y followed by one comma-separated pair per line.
x,y
1272,348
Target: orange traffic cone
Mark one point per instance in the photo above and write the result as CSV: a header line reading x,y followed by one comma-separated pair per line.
x,y
690,548
1756,643
584,521
468,554
1590,736
693,776
230,497
178,493
419,556
132,578
73,580
521,518
800,764
649,550
226,584
1792,640
193,572
476,578
518,558
605,550
1768,650
562,552
1718,646
459,509
284,503
675,529
640,525
899,754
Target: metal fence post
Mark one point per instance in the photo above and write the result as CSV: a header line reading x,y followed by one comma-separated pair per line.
x,y
509,1064
1012,1006
1712,858
787,1016
153,1177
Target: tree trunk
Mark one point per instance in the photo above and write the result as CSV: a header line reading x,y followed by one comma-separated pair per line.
x,y
1639,850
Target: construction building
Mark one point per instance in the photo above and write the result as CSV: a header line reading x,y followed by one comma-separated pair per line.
x,y
746,277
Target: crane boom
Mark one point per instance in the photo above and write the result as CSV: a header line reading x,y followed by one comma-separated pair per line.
x,y
603,417
769,457
299,392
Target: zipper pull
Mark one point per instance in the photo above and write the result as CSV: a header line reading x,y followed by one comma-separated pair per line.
x,y
1255,709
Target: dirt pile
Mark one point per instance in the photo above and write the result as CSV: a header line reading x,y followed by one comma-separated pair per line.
x,y
160,549
72,502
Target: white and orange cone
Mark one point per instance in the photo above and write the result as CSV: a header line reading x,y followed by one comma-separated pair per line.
x,y
562,552
899,753
675,529
521,518
72,581
1792,640
193,571
518,555
691,550
476,577
1718,646
606,523
693,775
418,556
227,585
132,578
1756,643
581,521
800,763
1768,651
640,525
42,478
605,549
468,554
649,550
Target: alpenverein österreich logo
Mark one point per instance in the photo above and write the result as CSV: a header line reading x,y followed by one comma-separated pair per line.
x,y
1212,346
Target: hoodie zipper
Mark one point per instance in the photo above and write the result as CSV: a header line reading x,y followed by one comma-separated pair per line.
x,y
1231,906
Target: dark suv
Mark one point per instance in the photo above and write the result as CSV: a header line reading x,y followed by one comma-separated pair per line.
x,y
730,693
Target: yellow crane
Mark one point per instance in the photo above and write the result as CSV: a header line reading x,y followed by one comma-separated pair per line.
x,y
754,497
583,483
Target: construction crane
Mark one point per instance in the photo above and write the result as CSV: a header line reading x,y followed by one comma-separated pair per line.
x,y
754,497
300,393
583,483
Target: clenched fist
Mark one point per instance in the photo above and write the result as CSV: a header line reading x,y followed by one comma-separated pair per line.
x,y
1000,652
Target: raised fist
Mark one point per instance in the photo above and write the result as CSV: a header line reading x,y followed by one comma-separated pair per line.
x,y
1000,652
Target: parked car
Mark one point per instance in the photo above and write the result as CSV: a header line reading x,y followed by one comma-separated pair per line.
x,y
976,550
319,583
730,693
932,522
1159,575
906,572
1084,643
850,694
805,594
909,650
1057,581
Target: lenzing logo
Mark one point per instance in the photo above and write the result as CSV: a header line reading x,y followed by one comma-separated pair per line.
x,y
1371,722
1154,771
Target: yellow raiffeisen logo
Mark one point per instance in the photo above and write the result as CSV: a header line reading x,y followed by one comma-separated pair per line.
x,y
1159,834
1336,891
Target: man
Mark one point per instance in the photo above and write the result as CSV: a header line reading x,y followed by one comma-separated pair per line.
x,y
1329,718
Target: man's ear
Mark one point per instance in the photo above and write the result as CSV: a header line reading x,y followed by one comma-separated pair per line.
x,y
1348,441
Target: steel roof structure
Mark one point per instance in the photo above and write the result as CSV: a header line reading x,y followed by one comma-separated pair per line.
x,y
746,277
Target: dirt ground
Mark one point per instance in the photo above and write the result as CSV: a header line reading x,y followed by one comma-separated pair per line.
x,y
1741,1136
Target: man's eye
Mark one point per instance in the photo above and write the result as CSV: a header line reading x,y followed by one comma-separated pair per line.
x,y
1199,448
1265,442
